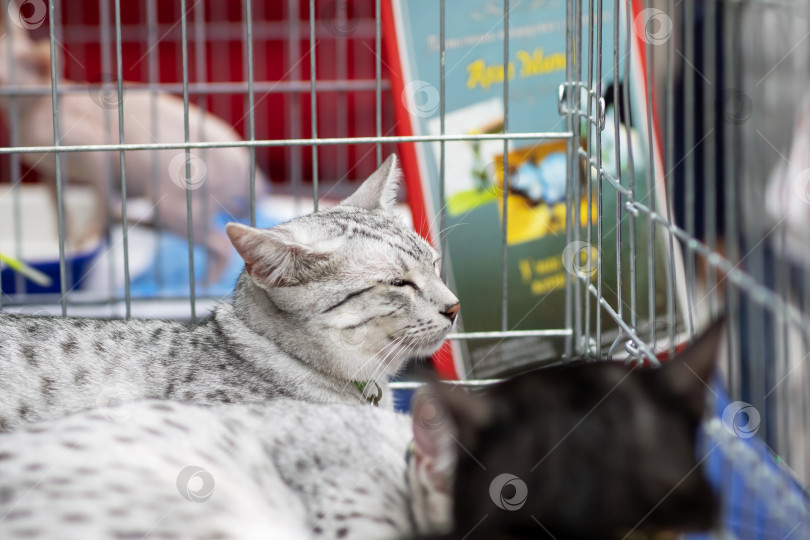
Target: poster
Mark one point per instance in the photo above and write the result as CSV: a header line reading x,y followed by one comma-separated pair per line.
x,y
539,173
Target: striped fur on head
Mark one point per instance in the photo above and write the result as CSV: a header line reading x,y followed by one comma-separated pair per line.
x,y
358,291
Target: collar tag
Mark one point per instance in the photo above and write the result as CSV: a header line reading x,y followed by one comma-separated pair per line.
x,y
411,450
373,399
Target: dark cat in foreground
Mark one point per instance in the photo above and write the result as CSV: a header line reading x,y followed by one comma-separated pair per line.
x,y
611,453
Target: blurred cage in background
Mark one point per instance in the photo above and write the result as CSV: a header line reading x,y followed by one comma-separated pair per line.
x,y
216,38
727,84
297,85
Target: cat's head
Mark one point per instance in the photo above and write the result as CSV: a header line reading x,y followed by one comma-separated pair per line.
x,y
360,289
585,450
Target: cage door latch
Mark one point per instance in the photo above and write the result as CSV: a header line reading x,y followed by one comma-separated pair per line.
x,y
562,104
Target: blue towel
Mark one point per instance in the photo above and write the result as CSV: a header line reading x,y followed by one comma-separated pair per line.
x,y
750,508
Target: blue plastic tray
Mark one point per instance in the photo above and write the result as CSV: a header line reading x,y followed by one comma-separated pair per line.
x,y
76,265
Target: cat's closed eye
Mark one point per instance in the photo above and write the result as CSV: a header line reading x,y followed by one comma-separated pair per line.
x,y
402,283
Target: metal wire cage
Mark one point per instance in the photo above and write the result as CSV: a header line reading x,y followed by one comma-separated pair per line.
x,y
725,82
728,135
305,78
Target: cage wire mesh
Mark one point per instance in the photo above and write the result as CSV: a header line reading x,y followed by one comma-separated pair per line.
x,y
202,53
727,94
726,82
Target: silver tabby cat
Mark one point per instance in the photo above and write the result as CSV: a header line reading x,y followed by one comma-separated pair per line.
x,y
326,300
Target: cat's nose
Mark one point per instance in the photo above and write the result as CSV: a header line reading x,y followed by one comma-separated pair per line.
x,y
452,311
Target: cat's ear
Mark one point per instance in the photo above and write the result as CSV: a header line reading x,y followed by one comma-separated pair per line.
x,y
379,191
689,374
444,418
273,259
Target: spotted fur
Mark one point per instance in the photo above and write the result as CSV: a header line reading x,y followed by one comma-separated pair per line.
x,y
165,470
345,294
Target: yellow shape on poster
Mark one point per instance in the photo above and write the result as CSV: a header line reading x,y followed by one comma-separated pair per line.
x,y
528,222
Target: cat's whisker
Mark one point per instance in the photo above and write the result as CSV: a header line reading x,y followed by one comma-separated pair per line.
x,y
397,360
392,356
390,353
435,218
388,347
451,227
